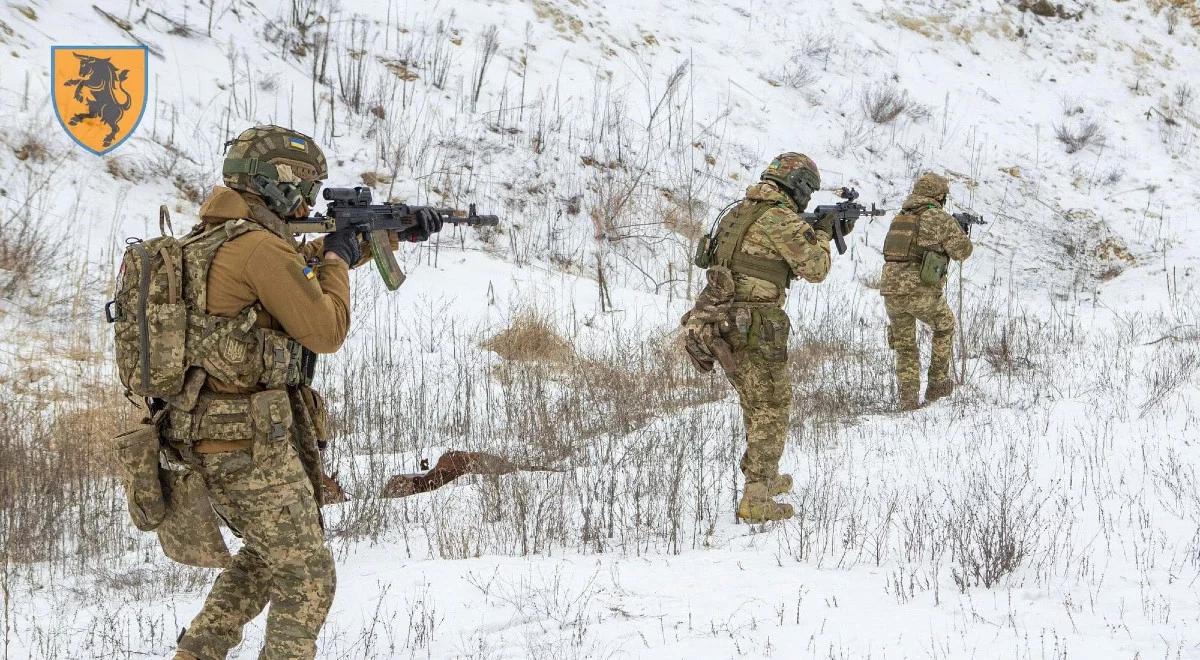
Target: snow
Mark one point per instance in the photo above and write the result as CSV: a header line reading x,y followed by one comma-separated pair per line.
x,y
1088,432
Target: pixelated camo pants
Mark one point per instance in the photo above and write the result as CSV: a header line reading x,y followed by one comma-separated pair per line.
x,y
903,313
284,560
765,392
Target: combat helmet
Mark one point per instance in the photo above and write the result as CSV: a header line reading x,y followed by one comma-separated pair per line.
x,y
933,186
796,173
285,167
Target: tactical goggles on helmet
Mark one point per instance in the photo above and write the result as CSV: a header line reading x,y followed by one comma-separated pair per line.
x,y
282,175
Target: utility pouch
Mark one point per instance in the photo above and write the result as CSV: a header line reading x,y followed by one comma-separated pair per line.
x,y
769,331
703,258
271,416
137,451
191,534
934,267
318,414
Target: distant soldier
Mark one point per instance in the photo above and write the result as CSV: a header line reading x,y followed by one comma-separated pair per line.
x,y
922,240
760,245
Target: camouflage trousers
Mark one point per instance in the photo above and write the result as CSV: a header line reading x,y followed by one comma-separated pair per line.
x,y
265,495
903,312
760,350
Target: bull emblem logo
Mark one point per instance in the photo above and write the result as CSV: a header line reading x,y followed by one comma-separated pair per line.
x,y
99,93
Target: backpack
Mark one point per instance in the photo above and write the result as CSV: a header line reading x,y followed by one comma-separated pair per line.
x,y
166,344
149,315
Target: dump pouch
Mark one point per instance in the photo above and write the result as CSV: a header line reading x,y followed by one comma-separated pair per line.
x,y
934,267
137,452
190,534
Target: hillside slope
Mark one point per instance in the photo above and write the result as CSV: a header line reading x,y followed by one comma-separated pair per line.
x,y
1050,509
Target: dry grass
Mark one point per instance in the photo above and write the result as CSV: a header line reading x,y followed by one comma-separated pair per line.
x,y
530,338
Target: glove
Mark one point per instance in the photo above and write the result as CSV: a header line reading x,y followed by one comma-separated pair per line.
x,y
825,223
344,243
428,223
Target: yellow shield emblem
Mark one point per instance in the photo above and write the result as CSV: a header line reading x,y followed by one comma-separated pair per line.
x,y
99,93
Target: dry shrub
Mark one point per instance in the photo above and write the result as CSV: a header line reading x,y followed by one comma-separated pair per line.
x,y
1079,134
58,500
885,104
530,338
836,380
124,168
993,525
26,248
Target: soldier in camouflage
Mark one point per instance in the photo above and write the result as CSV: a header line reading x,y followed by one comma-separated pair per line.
x,y
761,244
255,443
912,287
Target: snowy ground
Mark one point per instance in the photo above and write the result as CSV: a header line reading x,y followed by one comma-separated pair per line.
x,y
1070,449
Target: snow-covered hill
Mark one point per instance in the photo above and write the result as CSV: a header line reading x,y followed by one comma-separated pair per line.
x,y
1050,510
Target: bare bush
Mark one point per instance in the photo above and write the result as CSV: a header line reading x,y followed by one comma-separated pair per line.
x,y
1079,133
798,74
27,248
993,525
884,104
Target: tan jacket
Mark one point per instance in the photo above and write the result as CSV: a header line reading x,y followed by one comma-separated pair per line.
x,y
267,269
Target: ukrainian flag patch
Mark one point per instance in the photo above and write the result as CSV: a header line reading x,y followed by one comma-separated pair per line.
x,y
297,143
309,272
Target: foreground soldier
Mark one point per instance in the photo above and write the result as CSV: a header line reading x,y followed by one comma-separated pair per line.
x,y
759,247
921,241
253,436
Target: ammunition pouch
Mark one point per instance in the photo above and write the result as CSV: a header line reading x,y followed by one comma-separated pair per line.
x,y
191,533
138,454
934,267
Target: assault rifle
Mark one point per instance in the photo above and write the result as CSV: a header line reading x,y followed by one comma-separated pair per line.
x,y
965,220
847,212
352,208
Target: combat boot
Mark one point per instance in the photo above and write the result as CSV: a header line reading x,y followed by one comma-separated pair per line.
x,y
779,484
757,506
909,399
939,390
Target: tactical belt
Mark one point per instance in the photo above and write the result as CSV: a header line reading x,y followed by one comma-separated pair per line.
x,y
215,418
775,271
905,260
